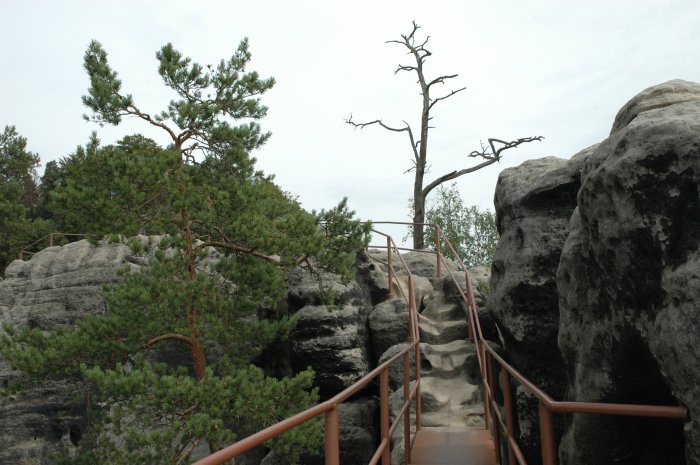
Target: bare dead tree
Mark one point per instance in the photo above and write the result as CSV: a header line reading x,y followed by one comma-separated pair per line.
x,y
489,154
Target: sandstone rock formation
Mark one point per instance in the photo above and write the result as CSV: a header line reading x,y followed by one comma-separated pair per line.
x,y
366,326
342,340
629,282
600,255
58,285
534,202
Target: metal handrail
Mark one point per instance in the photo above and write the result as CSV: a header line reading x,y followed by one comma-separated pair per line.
x,y
547,405
498,423
50,237
330,406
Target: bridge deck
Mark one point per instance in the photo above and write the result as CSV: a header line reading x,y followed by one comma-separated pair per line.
x,y
442,446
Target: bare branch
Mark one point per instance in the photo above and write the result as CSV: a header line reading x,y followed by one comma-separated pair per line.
x,y
405,68
376,121
489,157
441,79
406,128
445,97
496,154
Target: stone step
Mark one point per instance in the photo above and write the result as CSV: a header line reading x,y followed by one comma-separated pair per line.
x,y
459,417
442,332
437,308
440,392
445,360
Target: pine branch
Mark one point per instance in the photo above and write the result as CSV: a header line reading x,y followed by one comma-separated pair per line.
x,y
239,249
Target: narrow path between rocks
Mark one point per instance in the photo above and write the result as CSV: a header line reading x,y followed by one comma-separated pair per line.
x,y
448,398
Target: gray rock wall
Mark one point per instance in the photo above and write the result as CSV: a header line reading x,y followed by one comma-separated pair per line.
x,y
58,286
534,202
629,283
600,257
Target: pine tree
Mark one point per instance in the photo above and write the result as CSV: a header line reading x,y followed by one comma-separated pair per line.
x,y
227,238
18,196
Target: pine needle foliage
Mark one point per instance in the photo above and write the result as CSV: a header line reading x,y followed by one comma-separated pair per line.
x,y
19,197
227,237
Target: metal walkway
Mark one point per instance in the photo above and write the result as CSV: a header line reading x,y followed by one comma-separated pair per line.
x,y
446,445
439,446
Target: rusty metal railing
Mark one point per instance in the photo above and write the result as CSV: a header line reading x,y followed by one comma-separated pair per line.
x,y
436,252
495,421
329,408
49,238
499,424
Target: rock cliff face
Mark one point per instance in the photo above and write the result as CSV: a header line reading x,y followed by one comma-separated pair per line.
x,y
58,286
534,202
600,256
365,327
341,341
629,282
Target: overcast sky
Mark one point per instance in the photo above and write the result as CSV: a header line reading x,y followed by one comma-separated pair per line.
x,y
560,69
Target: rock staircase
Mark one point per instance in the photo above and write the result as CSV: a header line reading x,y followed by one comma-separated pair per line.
x,y
448,398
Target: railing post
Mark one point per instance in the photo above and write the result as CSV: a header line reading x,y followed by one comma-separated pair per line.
x,y
384,414
412,308
495,427
415,336
418,394
390,270
407,415
508,411
481,352
549,453
472,311
437,251
50,239
332,440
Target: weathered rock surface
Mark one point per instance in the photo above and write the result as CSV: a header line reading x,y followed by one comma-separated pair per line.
x,y
332,339
335,343
629,283
659,96
534,202
58,286
388,323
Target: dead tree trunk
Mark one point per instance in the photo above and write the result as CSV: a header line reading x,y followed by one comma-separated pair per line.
x,y
420,147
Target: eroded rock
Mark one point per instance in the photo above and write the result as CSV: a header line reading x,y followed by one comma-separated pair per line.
x,y
629,283
58,286
534,202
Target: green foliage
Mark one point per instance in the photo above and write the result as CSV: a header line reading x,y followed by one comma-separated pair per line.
x,y
471,231
122,185
19,197
167,367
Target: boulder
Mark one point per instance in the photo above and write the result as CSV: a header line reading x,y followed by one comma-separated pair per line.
x,y
659,96
321,288
334,341
534,202
629,283
396,369
58,286
388,324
